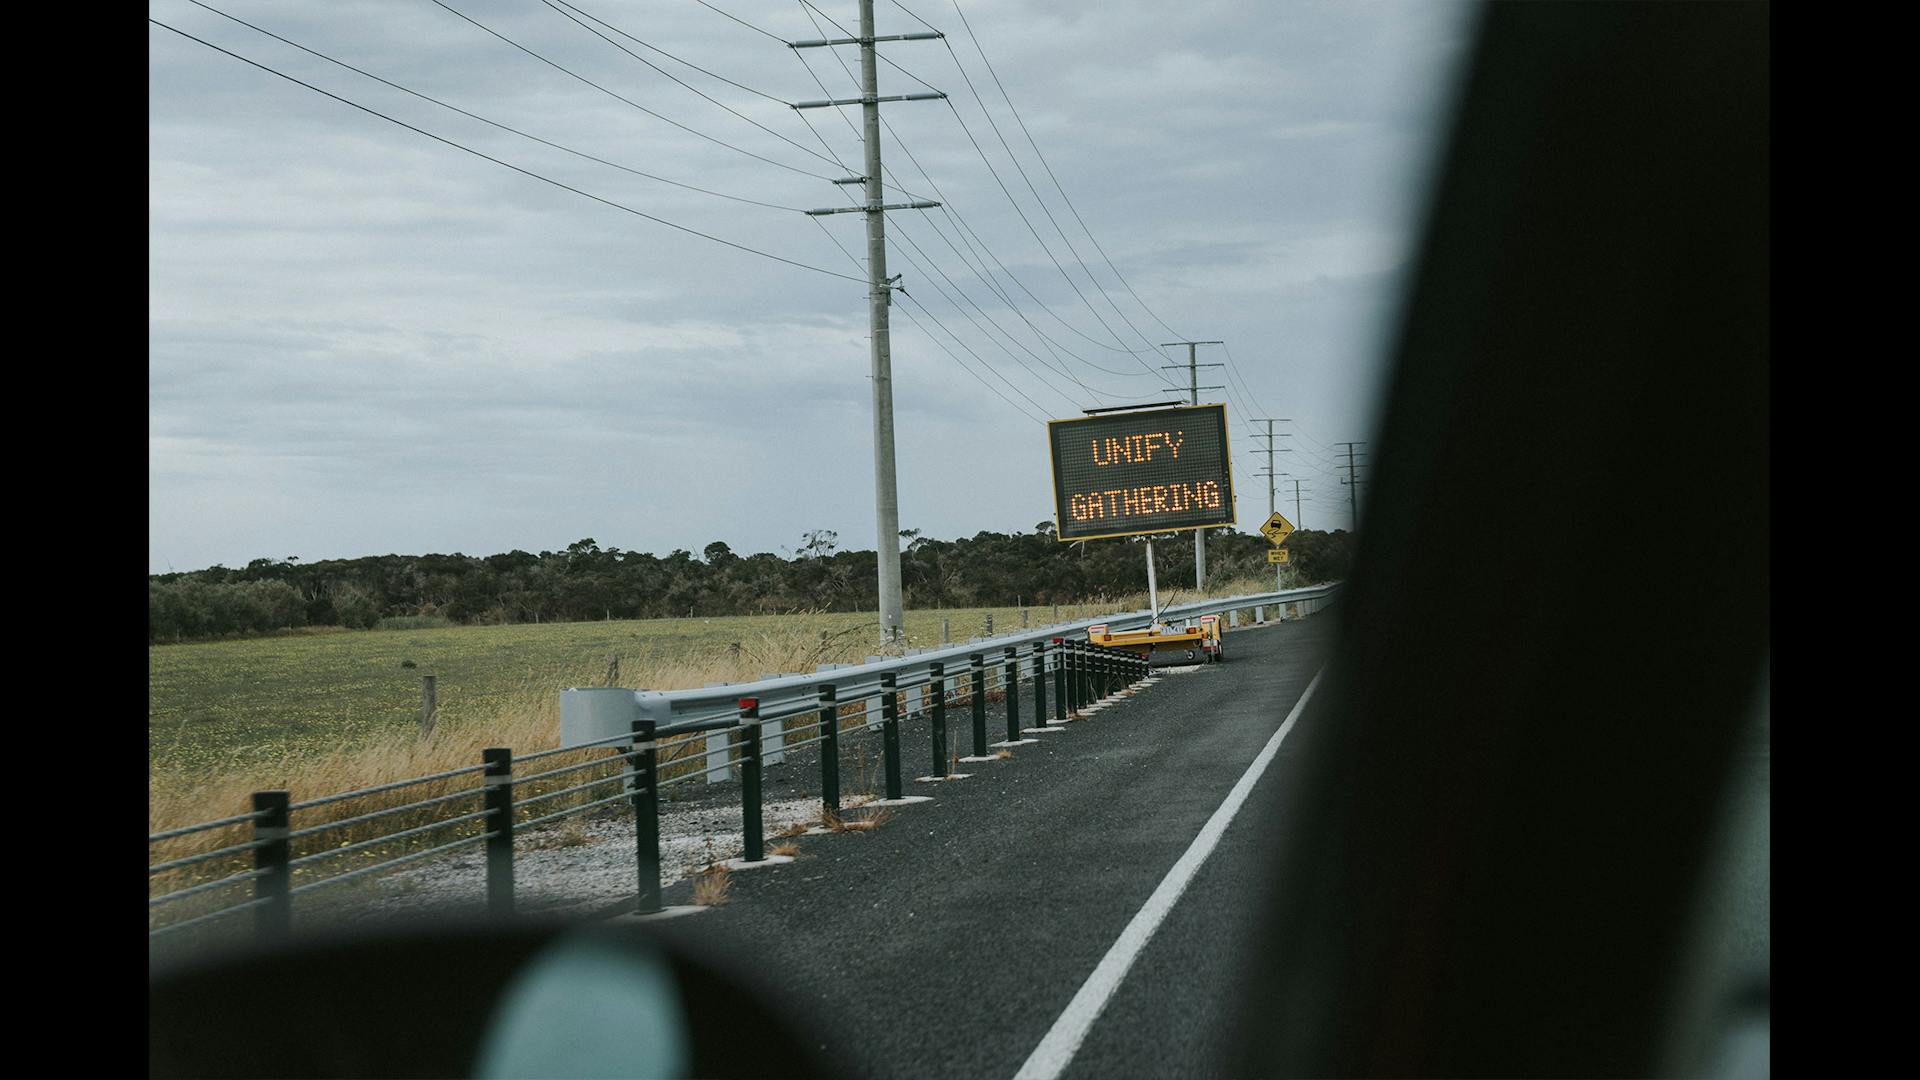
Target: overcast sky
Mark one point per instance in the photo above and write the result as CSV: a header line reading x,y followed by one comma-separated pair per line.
x,y
364,341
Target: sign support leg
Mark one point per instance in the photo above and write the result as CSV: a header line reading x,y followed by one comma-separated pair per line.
x,y
1153,589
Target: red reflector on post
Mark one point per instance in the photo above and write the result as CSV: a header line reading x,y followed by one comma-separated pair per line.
x,y
749,702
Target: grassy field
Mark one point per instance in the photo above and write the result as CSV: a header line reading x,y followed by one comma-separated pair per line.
x,y
326,712
216,705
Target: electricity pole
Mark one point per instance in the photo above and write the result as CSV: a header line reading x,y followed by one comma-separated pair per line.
x,y
1353,482
1269,435
1299,522
1270,474
879,300
1193,382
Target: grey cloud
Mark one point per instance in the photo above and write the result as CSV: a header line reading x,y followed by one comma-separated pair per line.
x,y
360,340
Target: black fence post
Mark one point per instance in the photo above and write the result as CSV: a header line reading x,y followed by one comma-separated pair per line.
x,y
1013,694
890,731
1083,666
978,669
645,767
1060,679
1083,674
1040,684
937,686
1090,673
273,919
829,750
499,805
752,824
1071,655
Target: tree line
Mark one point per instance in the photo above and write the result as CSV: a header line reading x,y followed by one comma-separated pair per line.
x,y
586,581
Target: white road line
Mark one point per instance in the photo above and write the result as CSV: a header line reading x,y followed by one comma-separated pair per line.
x,y
1056,1050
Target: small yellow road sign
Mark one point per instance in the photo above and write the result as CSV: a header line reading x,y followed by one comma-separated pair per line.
x,y
1279,555
1277,528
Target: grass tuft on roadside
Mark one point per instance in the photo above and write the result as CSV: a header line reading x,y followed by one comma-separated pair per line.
x,y
710,889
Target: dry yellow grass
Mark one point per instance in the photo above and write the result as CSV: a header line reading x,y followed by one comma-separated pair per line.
x,y
788,850
710,889
866,822
526,719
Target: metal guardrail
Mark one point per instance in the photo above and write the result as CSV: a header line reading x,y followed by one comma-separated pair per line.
x,y
1065,671
677,712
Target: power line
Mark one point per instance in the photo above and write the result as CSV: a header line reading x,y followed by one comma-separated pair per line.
x,y
879,301
963,293
1050,174
742,22
676,59
882,57
810,10
1029,224
930,336
900,231
958,223
492,123
1353,481
1244,388
557,7
625,100
961,223
503,164
916,18
1034,144
956,338
1015,203
978,48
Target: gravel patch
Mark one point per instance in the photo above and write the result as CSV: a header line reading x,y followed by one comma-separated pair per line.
x,y
589,864
585,864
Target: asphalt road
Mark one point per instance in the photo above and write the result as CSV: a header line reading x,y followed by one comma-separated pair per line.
x,y
947,942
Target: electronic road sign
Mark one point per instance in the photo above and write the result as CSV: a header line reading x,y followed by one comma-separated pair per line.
x,y
1123,474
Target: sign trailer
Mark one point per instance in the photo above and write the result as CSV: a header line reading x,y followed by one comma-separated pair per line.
x,y
1139,473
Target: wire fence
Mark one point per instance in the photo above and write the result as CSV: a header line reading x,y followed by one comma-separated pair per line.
x,y
719,734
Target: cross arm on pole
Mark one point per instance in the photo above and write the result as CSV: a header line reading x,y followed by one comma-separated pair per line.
x,y
868,100
814,44
872,209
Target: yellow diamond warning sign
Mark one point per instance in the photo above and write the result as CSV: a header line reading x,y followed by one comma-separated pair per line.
x,y
1276,529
